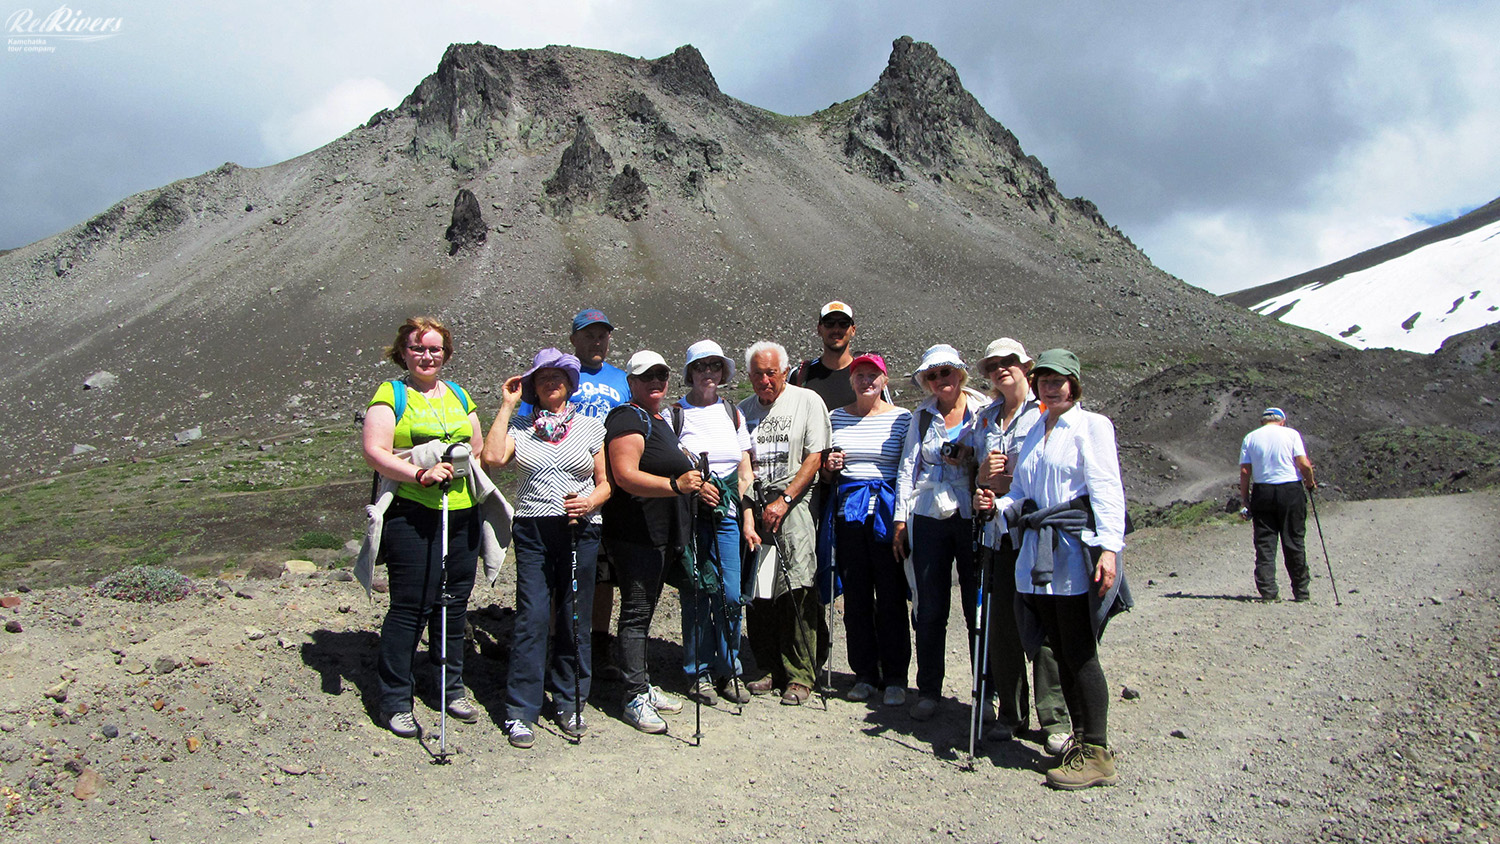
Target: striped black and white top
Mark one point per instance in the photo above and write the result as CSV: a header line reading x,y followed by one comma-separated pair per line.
x,y
549,471
871,444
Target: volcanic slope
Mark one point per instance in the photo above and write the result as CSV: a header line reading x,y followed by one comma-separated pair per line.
x,y
247,301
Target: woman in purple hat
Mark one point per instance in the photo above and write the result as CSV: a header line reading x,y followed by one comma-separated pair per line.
x,y
559,451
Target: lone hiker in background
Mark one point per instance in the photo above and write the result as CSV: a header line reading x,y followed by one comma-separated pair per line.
x,y
1273,461
601,388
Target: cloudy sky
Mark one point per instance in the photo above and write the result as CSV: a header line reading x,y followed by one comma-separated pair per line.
x,y
1235,142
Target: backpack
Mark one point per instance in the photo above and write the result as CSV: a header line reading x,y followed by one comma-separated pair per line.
x,y
398,396
729,409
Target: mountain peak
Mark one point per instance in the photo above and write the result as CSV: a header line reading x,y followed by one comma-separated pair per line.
x,y
686,72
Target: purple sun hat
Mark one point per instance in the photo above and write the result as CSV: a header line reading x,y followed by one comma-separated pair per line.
x,y
549,358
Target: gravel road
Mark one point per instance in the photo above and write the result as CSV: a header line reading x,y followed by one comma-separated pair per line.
x,y
1371,721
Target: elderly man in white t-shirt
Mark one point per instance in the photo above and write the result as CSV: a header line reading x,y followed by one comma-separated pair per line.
x,y
1273,469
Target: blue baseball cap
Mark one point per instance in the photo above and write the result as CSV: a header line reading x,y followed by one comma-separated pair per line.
x,y
590,316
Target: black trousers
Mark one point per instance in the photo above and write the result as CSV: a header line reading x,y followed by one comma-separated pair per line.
x,y
1279,511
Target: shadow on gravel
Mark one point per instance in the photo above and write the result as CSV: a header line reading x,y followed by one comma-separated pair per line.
x,y
346,658
1243,599
946,738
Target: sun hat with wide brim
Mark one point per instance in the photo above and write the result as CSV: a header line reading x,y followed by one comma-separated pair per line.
x,y
708,349
1005,347
935,356
549,358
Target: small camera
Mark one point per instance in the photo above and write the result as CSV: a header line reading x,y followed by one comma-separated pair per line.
x,y
951,450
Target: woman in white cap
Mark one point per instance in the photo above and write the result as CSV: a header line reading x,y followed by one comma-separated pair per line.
x,y
707,423
1066,505
934,510
559,451
645,524
996,437
868,437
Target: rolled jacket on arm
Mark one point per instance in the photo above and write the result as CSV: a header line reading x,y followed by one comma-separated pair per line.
x,y
854,504
1073,516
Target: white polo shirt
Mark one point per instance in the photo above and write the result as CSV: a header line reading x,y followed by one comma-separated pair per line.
x,y
1271,451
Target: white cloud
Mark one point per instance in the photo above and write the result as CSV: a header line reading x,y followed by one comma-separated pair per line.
x,y
345,106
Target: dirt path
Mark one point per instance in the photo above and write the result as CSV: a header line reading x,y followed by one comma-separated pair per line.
x,y
1372,721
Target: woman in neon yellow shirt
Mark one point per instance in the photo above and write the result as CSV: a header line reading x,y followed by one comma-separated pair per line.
x,y
430,409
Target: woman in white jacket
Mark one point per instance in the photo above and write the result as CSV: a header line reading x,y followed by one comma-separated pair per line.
x,y
1066,505
934,513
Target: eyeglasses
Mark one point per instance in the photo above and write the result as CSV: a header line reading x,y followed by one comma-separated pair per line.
x,y
418,351
990,367
936,374
657,374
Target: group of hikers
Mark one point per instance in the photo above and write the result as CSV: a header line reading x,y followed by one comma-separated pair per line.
x,y
813,484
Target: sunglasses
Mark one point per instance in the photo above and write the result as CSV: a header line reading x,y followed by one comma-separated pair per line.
x,y
835,323
657,374
937,374
707,364
990,367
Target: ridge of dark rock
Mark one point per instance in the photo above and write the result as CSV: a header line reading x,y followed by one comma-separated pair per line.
x,y
684,71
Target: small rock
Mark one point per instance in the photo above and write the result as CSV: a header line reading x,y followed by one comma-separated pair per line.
x,y
82,448
135,666
345,608
254,635
87,787
111,731
13,626
191,434
1453,827
101,380
340,576
10,601
351,548
165,665
245,592
158,704
299,566
203,662
381,585
193,743
1436,600
292,769
83,709
285,643
1128,693
1179,733
58,692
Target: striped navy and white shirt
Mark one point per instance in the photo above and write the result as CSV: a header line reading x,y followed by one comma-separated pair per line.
x,y
549,471
871,444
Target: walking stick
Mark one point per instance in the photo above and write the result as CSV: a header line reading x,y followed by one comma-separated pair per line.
x,y
783,574
575,526
832,586
454,457
1324,543
697,636
981,640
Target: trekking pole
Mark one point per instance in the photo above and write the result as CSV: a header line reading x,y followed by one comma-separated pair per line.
x,y
575,527
693,502
832,587
980,641
1324,543
453,457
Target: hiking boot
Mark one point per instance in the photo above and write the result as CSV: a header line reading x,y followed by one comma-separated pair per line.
x,y
403,724
519,733
1000,732
861,692
703,692
734,691
639,713
763,686
1085,766
572,724
796,694
1268,599
924,710
663,702
1302,599
895,696
464,710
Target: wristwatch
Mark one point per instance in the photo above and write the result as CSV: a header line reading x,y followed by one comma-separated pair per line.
x,y
787,499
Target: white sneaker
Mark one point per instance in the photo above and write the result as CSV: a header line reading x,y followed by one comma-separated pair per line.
x,y
663,702
861,692
403,724
519,733
1058,742
895,695
639,713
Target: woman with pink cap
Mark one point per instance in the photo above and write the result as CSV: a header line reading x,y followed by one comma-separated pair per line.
x,y
868,436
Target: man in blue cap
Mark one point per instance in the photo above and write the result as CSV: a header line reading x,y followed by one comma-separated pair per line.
x,y
1273,469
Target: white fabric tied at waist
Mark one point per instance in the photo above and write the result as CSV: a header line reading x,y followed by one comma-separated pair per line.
x,y
934,496
494,514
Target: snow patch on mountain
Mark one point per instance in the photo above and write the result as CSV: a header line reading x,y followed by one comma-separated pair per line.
x,y
1413,302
